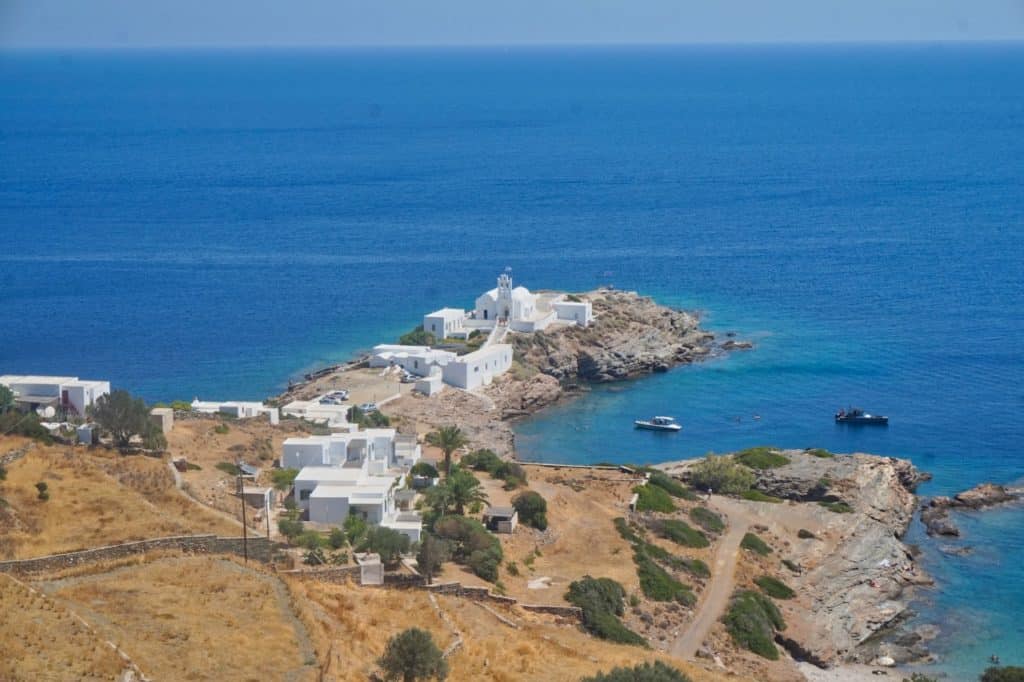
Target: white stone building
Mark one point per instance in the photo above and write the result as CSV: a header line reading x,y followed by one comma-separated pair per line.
x,y
319,411
418,360
72,394
479,367
446,323
239,409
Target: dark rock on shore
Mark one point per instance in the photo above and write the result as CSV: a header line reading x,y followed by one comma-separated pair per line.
x,y
935,513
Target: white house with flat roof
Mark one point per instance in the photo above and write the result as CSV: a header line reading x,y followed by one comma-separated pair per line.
x,y
446,323
578,311
353,473
418,360
72,394
479,367
319,411
239,409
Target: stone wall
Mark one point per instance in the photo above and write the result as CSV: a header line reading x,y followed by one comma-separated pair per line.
x,y
259,548
334,574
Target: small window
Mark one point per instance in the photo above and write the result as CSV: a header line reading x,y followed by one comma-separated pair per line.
x,y
304,494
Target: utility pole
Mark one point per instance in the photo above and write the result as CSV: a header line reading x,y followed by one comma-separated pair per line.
x,y
245,528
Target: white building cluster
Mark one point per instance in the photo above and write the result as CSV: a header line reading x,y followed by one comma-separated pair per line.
x,y
71,394
354,472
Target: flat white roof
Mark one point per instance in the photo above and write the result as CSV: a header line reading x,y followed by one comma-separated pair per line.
x,y
34,379
447,312
485,352
329,475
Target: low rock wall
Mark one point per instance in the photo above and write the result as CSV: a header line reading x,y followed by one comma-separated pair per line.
x,y
337,574
259,548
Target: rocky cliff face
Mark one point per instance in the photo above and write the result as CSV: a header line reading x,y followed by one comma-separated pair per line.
x,y
631,335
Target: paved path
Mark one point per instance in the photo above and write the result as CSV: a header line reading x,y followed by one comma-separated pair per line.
x,y
717,592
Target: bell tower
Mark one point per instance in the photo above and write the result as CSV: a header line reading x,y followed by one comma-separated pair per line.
x,y
505,294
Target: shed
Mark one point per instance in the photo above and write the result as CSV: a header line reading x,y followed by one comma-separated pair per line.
x,y
85,433
162,418
260,498
501,519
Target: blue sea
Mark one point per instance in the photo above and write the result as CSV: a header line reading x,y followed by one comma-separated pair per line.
x,y
212,223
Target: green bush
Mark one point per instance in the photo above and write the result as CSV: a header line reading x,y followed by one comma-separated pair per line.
x,y
15,423
290,527
601,600
484,563
482,460
532,509
752,620
337,538
42,491
355,529
644,672
424,469
282,478
792,565
763,457
653,498
388,543
309,539
707,519
681,533
839,507
805,534
626,531
758,496
670,485
471,544
694,567
657,584
1010,673
228,468
819,452
412,655
314,557
721,474
755,544
417,337
774,587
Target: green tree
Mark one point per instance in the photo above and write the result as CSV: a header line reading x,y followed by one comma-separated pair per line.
x,y
355,528
337,538
433,552
721,474
532,509
424,469
388,543
412,655
448,439
283,478
456,492
645,672
417,337
6,399
123,417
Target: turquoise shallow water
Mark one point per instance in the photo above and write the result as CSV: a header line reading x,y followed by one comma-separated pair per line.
x,y
210,224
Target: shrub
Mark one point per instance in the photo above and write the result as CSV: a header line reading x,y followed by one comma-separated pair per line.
x,y
626,531
1008,673
337,538
601,602
838,506
228,468
721,474
763,457
774,587
309,539
433,552
388,543
424,469
355,528
471,544
510,472
696,567
644,672
512,568
792,565
181,406
670,485
653,498
43,492
290,527
412,655
482,460
752,621
657,584
3,473
221,429
819,452
758,496
805,534
281,478
681,533
314,557
15,423
484,564
532,509
707,519
755,544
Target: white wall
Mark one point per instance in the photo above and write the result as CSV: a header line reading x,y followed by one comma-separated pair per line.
x,y
581,313
479,367
299,455
332,510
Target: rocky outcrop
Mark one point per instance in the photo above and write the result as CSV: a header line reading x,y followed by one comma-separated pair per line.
x,y
631,335
935,513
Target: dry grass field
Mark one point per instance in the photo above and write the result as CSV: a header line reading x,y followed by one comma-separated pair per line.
x,y
30,625
96,497
193,618
359,622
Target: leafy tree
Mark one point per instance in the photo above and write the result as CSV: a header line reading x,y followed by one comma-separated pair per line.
x,y
123,417
283,478
6,398
424,469
290,527
433,552
337,538
412,655
15,423
532,509
355,528
645,672
471,544
448,439
721,474
388,543
482,460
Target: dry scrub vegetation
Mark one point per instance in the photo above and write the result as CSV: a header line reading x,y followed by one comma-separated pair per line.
x,y
96,497
193,618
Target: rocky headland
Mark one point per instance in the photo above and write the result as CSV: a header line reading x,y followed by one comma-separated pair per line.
x,y
935,513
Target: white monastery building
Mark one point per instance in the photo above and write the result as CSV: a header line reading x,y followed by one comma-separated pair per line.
x,y
418,360
70,393
479,367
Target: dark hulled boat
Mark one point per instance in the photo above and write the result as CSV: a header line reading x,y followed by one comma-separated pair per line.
x,y
855,415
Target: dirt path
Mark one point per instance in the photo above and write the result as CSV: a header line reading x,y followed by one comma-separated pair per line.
x,y
716,594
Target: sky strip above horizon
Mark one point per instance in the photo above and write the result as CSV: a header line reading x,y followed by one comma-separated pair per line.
x,y
242,23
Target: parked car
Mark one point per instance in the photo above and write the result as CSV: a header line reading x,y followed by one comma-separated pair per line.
x,y
366,408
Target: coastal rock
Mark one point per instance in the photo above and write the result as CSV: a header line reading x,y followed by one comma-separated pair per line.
x,y
935,514
935,517
983,495
631,336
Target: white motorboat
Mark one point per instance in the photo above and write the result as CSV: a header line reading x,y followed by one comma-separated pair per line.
x,y
658,424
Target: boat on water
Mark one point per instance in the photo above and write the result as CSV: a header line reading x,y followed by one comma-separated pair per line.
x,y
658,424
855,415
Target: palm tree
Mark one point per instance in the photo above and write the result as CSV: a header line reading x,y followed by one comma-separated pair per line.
x,y
449,439
464,490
